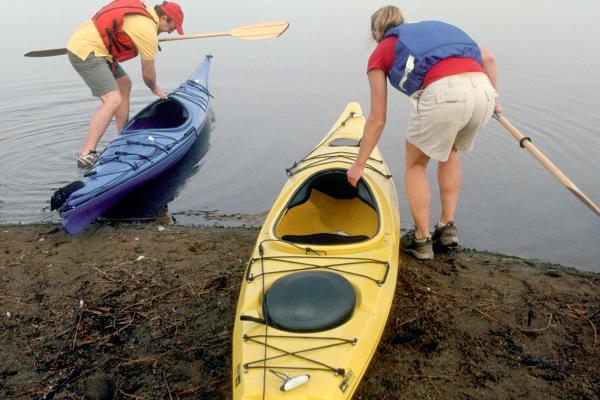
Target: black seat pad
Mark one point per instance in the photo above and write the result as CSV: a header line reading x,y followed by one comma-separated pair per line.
x,y
310,301
324,238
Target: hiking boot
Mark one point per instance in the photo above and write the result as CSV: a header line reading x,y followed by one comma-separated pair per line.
x,y
87,161
420,248
445,236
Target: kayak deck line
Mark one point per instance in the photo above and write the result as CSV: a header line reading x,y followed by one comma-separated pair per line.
x,y
335,341
309,266
134,166
296,354
345,158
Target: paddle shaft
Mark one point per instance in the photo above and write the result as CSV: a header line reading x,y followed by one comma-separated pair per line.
x,y
196,36
261,31
525,142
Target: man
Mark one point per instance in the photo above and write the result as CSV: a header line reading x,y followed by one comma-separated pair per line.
x,y
118,32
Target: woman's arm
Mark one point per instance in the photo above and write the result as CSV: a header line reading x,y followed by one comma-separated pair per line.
x,y
374,125
488,62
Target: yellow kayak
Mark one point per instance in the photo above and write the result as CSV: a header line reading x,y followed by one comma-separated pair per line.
x,y
320,282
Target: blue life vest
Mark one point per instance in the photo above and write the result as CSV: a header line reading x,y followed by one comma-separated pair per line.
x,y
420,45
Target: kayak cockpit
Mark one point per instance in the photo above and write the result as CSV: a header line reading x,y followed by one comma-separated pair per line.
x,y
327,210
162,114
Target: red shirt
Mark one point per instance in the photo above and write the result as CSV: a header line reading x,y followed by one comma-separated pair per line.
x,y
383,58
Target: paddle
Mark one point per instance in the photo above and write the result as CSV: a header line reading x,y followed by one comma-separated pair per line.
x,y
264,30
525,142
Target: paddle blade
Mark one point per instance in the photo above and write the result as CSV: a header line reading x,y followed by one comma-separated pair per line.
x,y
47,53
265,30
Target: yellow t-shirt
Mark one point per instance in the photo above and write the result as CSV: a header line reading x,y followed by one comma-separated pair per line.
x,y
142,30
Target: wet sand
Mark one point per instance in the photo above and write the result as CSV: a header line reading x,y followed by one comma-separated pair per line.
x,y
146,312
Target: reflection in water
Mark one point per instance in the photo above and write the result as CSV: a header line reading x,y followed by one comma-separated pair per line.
x,y
149,201
211,217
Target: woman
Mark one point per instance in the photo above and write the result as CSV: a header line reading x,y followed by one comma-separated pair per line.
x,y
450,81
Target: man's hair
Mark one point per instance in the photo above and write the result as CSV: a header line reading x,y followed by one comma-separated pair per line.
x,y
159,11
384,19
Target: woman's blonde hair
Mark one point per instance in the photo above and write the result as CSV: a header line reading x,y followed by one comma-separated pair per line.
x,y
384,19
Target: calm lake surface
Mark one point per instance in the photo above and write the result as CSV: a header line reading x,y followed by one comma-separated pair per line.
x,y
275,99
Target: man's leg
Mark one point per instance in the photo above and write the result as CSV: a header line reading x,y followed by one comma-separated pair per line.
x,y
122,114
100,120
417,188
449,179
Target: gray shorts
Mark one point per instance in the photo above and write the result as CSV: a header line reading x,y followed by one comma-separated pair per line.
x,y
449,113
96,73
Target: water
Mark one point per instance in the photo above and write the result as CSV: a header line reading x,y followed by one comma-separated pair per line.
x,y
275,99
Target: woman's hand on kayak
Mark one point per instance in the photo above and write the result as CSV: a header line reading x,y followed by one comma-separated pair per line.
x,y
355,173
158,92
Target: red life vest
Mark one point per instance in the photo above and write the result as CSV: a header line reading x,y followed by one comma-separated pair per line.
x,y
109,23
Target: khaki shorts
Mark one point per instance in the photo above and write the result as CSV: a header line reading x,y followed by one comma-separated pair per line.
x,y
450,112
96,73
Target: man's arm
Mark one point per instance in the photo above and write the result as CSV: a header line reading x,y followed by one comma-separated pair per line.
x,y
142,31
149,75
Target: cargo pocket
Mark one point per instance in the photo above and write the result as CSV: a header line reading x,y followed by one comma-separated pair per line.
x,y
450,107
414,100
490,95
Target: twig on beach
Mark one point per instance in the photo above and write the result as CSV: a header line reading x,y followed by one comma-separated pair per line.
x,y
105,274
595,331
168,387
582,315
129,323
409,321
151,298
73,345
487,316
131,396
427,376
435,387
539,329
61,383
417,276
193,390
8,299
52,336
145,359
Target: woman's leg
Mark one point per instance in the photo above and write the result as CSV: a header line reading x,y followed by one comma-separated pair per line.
x,y
417,188
449,179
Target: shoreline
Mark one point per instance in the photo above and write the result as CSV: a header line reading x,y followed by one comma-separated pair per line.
x,y
136,310
254,222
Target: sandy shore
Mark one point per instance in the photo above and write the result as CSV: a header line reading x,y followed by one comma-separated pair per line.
x,y
146,312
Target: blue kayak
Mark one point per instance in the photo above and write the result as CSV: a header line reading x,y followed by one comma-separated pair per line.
x,y
150,143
